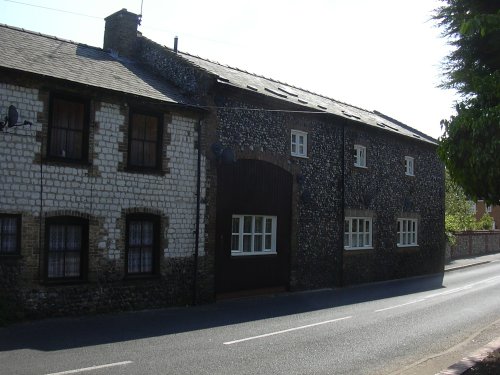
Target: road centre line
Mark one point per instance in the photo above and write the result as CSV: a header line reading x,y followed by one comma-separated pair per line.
x,y
403,304
286,330
91,368
446,292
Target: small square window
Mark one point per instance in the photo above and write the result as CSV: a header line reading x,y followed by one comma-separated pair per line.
x,y
298,143
409,166
253,235
10,234
359,156
357,233
407,232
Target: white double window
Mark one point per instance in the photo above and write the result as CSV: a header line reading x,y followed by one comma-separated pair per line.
x,y
357,233
253,235
359,156
409,166
298,143
407,232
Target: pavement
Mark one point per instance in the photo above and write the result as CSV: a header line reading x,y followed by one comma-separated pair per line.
x,y
481,353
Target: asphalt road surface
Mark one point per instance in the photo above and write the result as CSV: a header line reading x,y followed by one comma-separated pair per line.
x,y
380,328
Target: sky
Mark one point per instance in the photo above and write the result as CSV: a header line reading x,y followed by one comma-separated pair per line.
x,y
382,55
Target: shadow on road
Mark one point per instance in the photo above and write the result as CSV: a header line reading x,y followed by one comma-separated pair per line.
x,y
66,333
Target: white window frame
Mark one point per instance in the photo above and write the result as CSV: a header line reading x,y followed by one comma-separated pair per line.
x,y
359,156
352,234
409,166
237,238
407,232
298,143
489,208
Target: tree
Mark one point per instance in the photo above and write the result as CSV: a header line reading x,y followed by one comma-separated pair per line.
x,y
470,144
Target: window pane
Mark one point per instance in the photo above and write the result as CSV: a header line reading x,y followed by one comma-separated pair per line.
x,y
72,264
346,240
56,238
257,243
134,260
73,237
147,259
361,241
236,225
147,233
149,154
247,243
269,243
247,224
134,234
55,264
8,235
259,224
235,242
269,225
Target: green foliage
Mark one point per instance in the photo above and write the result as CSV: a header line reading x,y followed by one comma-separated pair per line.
x,y
459,215
470,145
485,223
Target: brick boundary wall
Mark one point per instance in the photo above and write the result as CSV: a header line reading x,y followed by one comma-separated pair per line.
x,y
473,243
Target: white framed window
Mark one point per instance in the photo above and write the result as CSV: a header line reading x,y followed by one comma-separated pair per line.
x,y
253,235
298,143
358,233
489,208
359,156
409,166
407,232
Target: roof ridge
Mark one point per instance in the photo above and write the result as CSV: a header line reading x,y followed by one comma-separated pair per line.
x,y
53,37
273,80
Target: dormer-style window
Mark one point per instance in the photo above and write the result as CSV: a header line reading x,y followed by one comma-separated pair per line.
x,y
360,156
299,143
409,166
68,135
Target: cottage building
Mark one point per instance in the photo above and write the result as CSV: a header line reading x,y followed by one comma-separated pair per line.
x,y
98,209
297,190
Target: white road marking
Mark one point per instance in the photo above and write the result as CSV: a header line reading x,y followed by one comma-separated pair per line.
x,y
91,368
286,330
446,292
403,304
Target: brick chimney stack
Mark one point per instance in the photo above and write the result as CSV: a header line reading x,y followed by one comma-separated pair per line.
x,y
120,33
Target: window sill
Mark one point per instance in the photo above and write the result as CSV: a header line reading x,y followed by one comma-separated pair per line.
x,y
409,175
358,248
299,156
237,255
406,246
145,171
62,282
66,162
10,257
361,166
139,277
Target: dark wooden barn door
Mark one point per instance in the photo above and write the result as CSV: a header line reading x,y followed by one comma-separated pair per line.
x,y
253,226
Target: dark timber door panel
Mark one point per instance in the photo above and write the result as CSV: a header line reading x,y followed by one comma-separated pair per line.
x,y
252,187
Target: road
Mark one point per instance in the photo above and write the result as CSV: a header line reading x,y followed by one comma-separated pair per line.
x,y
379,328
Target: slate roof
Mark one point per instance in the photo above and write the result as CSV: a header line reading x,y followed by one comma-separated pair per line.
x,y
266,86
49,56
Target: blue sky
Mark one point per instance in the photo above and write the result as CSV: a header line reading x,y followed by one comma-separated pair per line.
x,y
380,55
